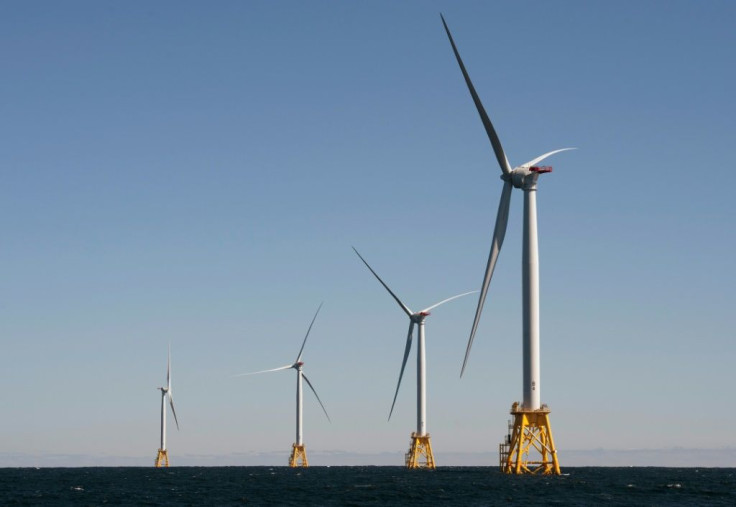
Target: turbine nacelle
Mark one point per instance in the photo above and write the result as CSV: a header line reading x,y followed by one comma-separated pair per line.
x,y
298,365
525,177
419,316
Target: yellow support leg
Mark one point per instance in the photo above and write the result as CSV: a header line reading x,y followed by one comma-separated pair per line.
x,y
420,452
531,449
298,456
162,458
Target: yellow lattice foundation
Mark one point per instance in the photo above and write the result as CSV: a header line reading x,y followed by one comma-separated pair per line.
x,y
298,456
420,452
162,458
531,448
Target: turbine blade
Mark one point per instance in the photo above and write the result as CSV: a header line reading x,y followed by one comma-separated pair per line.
x,y
498,235
495,142
171,402
168,369
542,157
317,395
299,357
402,305
407,349
448,299
265,371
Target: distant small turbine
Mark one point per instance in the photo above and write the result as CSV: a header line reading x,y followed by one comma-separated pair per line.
x,y
531,428
162,458
421,445
298,450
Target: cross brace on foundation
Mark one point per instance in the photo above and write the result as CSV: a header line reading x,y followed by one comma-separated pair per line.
x,y
298,456
162,458
420,452
530,448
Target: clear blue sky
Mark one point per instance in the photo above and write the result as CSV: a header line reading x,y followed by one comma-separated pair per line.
x,y
196,173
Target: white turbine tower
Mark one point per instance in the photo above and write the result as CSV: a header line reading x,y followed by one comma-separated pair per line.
x,y
298,450
162,458
531,419
421,445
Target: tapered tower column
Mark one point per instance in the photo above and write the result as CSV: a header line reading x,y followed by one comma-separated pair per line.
x,y
299,425
421,383
530,284
163,420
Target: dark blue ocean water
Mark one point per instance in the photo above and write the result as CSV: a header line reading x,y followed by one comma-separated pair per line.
x,y
462,486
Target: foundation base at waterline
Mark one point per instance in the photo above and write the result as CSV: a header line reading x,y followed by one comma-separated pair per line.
x,y
162,458
420,452
530,448
298,456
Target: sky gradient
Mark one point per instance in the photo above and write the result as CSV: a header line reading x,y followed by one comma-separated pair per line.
x,y
175,172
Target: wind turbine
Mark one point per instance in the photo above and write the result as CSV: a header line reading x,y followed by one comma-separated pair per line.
x,y
421,445
531,428
162,458
298,451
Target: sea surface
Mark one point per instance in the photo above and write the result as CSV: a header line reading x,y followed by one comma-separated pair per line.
x,y
462,486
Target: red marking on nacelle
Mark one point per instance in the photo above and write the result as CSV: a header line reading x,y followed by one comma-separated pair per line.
x,y
300,363
424,314
541,169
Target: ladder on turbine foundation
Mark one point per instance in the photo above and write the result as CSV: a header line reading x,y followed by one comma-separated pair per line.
x,y
504,448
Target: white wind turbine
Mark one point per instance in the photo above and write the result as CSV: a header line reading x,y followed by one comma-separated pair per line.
x,y
523,177
162,458
420,441
298,454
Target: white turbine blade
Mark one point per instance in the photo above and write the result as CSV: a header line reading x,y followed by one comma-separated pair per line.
x,y
171,402
448,299
168,369
299,357
498,234
542,157
407,349
495,142
317,395
265,371
402,305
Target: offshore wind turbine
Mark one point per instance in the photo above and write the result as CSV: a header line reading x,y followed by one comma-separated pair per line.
x,y
420,453
531,429
162,458
298,455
